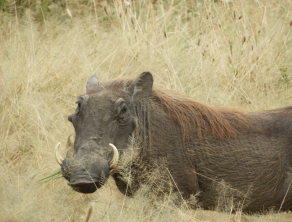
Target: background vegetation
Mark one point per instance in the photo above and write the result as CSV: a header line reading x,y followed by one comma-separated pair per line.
x,y
223,53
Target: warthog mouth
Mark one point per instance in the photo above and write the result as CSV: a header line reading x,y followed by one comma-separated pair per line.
x,y
85,184
85,187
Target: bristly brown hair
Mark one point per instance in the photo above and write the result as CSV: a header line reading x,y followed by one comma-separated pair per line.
x,y
194,117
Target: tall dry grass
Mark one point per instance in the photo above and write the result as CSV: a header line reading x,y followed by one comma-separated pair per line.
x,y
234,54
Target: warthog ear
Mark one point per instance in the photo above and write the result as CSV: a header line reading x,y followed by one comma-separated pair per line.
x,y
92,84
142,86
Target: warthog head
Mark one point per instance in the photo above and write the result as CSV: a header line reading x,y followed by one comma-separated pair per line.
x,y
103,121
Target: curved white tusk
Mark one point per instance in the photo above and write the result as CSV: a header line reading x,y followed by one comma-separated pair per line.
x,y
58,156
115,159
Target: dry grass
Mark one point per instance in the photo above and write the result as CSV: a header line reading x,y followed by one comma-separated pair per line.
x,y
226,54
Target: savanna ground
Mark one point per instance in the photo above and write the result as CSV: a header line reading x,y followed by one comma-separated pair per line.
x,y
232,54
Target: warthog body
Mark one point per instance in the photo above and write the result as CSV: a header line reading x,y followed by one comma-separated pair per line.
x,y
220,155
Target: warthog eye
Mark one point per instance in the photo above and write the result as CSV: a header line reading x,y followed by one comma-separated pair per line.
x,y
78,109
123,110
78,104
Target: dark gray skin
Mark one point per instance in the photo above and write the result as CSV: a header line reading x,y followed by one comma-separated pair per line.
x,y
222,155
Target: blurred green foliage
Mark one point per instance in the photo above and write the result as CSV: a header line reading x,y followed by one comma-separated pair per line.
x,y
42,7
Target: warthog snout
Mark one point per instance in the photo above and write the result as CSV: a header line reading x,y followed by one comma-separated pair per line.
x,y
89,173
85,175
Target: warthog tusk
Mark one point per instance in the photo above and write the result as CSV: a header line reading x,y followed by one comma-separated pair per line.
x,y
58,156
115,159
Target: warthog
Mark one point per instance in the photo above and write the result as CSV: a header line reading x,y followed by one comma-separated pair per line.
x,y
130,129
